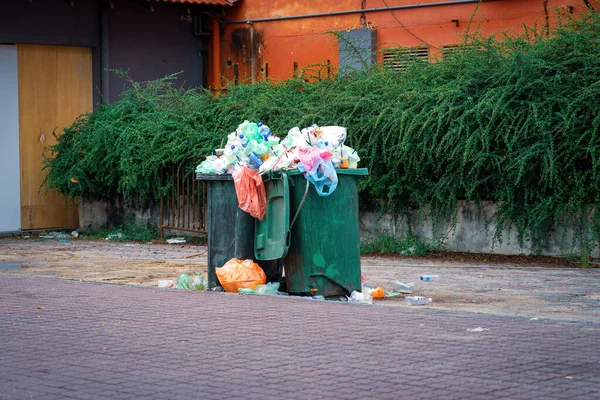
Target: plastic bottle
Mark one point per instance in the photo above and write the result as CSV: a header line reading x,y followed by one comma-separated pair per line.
x,y
322,144
402,287
429,278
243,140
254,161
417,300
264,131
239,153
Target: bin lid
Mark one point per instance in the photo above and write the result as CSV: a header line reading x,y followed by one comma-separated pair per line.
x,y
272,233
339,171
213,177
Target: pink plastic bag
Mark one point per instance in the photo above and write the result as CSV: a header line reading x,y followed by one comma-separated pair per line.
x,y
250,191
317,167
309,155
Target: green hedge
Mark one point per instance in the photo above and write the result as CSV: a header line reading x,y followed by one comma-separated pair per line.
x,y
514,120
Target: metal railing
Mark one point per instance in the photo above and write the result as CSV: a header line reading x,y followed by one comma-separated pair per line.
x,y
183,206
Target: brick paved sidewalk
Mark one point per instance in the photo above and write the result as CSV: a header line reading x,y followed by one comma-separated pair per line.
x,y
64,339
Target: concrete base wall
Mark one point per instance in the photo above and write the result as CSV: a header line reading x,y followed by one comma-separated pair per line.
x,y
470,234
100,214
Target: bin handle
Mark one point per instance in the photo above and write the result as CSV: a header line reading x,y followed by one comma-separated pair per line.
x,y
301,204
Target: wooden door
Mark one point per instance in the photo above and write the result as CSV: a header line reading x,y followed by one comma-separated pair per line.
x,y
55,86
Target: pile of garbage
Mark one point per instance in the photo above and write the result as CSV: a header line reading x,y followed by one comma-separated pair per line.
x,y
369,291
316,151
184,282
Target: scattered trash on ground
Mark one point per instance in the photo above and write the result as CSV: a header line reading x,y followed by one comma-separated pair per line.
x,y
237,274
217,289
534,319
478,329
54,235
411,251
178,240
417,300
75,234
360,298
114,236
429,278
199,283
377,293
266,289
402,287
165,283
183,282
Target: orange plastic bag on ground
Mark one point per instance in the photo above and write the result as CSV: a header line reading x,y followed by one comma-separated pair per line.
x,y
237,274
250,191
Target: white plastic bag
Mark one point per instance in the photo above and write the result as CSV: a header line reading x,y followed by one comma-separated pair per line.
x,y
334,135
360,298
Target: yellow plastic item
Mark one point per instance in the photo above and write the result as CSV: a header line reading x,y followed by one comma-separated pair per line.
x,y
378,293
344,163
237,274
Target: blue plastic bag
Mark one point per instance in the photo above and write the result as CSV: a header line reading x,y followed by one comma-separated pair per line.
x,y
322,175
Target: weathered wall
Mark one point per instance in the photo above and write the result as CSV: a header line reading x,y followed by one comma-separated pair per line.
x,y
151,44
470,234
309,41
100,214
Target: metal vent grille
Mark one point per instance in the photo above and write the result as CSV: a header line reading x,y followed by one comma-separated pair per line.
x,y
400,59
451,48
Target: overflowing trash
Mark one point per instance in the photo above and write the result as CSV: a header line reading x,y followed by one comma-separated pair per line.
x,y
250,191
236,274
315,151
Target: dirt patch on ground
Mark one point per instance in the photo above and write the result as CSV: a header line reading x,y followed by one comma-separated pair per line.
x,y
120,263
532,287
496,259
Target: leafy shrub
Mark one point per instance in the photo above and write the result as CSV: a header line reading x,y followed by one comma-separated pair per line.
x,y
408,245
516,121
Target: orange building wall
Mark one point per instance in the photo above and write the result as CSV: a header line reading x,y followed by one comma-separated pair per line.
x,y
310,41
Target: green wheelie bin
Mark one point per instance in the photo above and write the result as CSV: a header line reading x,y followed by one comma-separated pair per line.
x,y
230,230
316,237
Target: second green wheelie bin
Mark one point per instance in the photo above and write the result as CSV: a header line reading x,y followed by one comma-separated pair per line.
x,y
320,244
